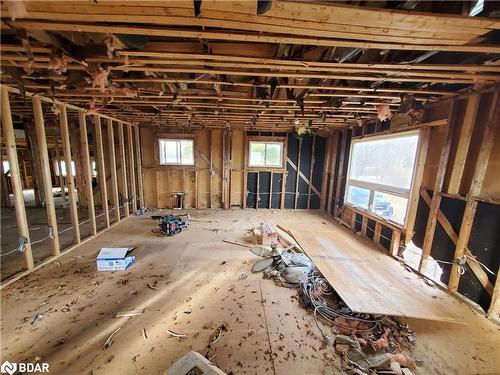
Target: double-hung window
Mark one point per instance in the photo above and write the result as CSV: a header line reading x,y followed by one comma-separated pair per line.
x,y
176,151
380,174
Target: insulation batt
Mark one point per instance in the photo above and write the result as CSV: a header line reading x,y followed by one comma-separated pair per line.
x,y
383,112
100,78
17,9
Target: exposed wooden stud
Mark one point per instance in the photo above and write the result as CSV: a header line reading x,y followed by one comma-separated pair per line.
x,y
133,190
17,188
59,167
87,170
138,149
297,179
364,225
464,140
123,169
66,145
311,168
340,175
487,142
438,185
101,169
395,239
325,174
377,232
47,181
481,275
423,144
494,310
331,174
211,170
115,199
271,191
245,172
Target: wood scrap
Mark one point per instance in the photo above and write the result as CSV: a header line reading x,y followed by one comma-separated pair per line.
x,y
237,243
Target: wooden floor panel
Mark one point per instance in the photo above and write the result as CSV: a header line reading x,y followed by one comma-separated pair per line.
x,y
370,281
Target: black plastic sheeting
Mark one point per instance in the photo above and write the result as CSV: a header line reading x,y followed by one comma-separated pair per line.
x,y
484,243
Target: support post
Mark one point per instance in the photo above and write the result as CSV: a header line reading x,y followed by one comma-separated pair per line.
x,y
112,166
487,142
63,118
298,176
87,171
436,197
10,145
133,191
101,174
123,169
59,167
47,180
138,159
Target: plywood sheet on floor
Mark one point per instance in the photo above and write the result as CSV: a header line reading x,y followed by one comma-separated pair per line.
x,y
369,281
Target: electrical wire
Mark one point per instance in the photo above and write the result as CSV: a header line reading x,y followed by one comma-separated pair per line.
x,y
315,288
21,249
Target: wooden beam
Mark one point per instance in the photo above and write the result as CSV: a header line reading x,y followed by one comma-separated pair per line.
x,y
101,169
438,186
244,37
340,176
47,180
494,310
311,168
448,228
423,144
297,179
464,140
17,188
325,175
115,199
377,232
487,142
87,170
133,190
123,168
331,174
138,159
63,119
60,177
395,240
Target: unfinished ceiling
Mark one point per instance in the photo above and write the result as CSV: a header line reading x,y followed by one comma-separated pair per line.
x,y
254,64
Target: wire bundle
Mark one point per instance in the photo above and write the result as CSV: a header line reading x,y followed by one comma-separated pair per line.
x,y
314,290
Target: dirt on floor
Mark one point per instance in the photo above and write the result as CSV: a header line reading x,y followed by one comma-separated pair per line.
x,y
194,284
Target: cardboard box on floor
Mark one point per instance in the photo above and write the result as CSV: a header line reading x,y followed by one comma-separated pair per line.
x,y
114,258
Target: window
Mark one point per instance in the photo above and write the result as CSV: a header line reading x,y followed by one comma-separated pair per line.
x,y
176,151
380,174
266,154
63,168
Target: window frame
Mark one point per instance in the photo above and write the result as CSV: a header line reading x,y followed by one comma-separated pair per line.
x,y
176,138
376,187
266,140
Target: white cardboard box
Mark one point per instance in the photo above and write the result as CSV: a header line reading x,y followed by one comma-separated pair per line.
x,y
114,258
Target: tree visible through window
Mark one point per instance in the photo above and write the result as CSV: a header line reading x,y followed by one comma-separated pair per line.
x,y
176,151
266,154
380,174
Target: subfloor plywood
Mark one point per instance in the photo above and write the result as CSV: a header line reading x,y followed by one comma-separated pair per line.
x,y
370,281
269,330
